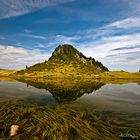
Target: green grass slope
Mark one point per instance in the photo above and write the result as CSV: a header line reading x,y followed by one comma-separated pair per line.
x,y
65,61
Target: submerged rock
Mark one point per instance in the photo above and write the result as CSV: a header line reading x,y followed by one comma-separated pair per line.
x,y
14,130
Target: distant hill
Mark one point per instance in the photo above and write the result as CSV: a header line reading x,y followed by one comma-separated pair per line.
x,y
65,60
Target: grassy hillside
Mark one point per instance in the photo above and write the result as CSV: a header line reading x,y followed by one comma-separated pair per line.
x,y
4,73
65,61
59,70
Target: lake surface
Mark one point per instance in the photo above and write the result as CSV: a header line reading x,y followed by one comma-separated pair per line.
x,y
110,97
118,103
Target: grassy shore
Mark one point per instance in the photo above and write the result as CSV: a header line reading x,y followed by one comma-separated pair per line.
x,y
70,73
5,73
104,75
120,75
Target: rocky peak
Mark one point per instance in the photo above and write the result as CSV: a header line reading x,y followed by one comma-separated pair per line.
x,y
66,52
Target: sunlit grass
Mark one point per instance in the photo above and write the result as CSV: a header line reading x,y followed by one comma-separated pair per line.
x,y
4,73
120,75
77,72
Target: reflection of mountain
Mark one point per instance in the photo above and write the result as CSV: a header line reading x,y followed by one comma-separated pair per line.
x,y
64,90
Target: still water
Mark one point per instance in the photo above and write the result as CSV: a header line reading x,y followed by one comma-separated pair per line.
x,y
99,96
118,102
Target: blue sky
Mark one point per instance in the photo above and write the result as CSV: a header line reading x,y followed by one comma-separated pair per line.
x,y
108,30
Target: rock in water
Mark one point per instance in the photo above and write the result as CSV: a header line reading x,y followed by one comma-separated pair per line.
x,y
14,130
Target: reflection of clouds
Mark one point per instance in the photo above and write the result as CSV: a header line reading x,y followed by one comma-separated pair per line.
x,y
115,96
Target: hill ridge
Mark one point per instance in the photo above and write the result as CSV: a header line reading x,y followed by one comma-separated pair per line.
x,y
69,61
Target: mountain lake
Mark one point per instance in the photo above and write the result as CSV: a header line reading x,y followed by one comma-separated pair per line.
x,y
117,105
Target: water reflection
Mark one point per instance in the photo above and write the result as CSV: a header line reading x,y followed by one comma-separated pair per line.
x,y
64,91
114,102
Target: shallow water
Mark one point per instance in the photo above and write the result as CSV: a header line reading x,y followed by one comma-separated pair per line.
x,y
110,97
118,103
29,94
115,97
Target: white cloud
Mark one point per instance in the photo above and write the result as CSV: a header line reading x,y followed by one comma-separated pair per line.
x,y
17,58
5,50
101,43
106,45
127,23
120,39
40,46
66,39
28,31
12,8
53,42
33,36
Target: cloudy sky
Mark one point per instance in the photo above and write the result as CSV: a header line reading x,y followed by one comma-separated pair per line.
x,y
108,30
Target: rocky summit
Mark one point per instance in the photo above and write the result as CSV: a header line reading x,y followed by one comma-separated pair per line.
x,y
68,54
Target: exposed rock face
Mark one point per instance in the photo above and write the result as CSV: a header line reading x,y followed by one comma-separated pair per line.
x,y
67,53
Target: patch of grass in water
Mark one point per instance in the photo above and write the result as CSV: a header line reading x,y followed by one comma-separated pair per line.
x,y
56,123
